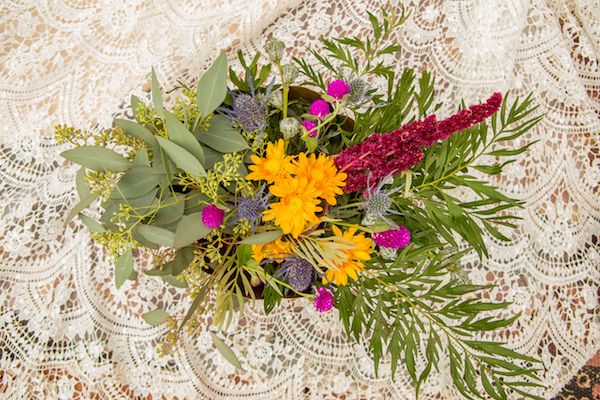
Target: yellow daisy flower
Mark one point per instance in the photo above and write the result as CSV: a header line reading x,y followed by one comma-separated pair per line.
x,y
274,250
298,205
355,257
275,166
322,173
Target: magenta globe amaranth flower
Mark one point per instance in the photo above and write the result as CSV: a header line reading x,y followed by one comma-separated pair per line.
x,y
212,216
338,89
319,108
310,128
393,238
323,300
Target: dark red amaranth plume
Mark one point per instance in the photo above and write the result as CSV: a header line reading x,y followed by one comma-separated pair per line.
x,y
383,153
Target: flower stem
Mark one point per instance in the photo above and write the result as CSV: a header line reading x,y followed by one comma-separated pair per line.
x,y
286,90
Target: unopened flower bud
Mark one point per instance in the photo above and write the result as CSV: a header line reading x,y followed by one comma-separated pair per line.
x,y
289,127
274,49
276,99
290,73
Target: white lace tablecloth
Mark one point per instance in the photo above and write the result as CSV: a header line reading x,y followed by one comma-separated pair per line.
x,y
65,330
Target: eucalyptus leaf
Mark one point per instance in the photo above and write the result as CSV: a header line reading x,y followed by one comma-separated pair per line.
x,y
97,158
155,317
190,229
93,225
183,258
222,137
212,157
171,212
182,158
123,268
181,136
141,239
212,87
80,206
136,130
157,99
137,182
144,203
263,238
195,203
161,168
141,158
226,351
165,269
177,282
83,188
156,235
135,102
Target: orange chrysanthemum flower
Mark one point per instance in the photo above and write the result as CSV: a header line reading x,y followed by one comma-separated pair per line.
x,y
276,250
297,206
355,256
275,166
322,173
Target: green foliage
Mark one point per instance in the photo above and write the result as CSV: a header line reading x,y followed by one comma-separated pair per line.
x,y
155,317
252,73
212,87
452,163
409,307
222,137
357,56
123,268
97,158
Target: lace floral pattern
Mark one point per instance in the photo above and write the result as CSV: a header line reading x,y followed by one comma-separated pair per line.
x,y
66,330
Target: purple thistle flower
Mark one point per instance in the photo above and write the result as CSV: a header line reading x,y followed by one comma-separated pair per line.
x,y
338,89
212,216
297,272
319,108
251,208
393,238
249,111
323,300
378,203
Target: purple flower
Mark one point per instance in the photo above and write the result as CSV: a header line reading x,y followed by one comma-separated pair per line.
x,y
212,216
393,238
338,89
319,108
323,300
309,126
297,272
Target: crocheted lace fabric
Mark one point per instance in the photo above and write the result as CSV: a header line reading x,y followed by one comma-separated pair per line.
x,y
65,330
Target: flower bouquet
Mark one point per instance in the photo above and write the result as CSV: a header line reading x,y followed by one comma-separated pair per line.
x,y
345,190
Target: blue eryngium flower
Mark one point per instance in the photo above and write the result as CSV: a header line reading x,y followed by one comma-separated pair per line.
x,y
297,272
249,111
251,208
378,203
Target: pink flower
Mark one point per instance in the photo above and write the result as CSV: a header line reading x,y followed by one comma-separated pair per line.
x,y
309,126
323,300
212,216
319,108
338,89
393,238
